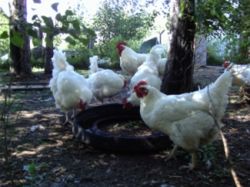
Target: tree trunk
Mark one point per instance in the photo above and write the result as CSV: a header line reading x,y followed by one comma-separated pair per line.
x,y
19,40
48,54
178,77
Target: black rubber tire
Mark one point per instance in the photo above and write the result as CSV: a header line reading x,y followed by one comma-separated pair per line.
x,y
90,120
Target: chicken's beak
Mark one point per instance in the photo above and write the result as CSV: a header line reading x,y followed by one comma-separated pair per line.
x,y
139,90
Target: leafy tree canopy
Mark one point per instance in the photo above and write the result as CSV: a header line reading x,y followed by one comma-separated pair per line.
x,y
4,38
67,23
117,18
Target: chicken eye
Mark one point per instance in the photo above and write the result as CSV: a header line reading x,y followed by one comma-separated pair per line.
x,y
144,91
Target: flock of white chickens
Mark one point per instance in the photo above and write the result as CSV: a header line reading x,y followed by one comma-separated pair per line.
x,y
72,90
189,119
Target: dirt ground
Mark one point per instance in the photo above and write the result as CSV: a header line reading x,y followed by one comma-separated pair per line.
x,y
43,152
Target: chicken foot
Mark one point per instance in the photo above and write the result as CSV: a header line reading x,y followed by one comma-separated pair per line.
x,y
172,153
193,164
67,120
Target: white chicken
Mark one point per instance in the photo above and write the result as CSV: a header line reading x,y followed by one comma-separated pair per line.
x,y
104,83
156,54
93,67
148,72
59,64
129,59
69,88
189,119
161,65
241,78
240,72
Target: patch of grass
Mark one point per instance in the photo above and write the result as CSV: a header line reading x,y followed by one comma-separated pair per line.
x,y
83,72
37,70
221,172
34,172
208,152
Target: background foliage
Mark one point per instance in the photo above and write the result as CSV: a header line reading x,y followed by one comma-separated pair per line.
x,y
132,21
4,41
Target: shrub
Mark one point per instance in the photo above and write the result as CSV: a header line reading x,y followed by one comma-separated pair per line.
x,y
215,53
4,64
37,63
108,49
79,59
213,60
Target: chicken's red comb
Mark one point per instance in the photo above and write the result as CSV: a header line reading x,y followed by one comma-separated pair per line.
x,y
226,63
141,83
121,43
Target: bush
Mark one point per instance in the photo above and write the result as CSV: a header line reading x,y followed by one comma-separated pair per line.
x,y
37,63
213,60
215,53
79,59
4,64
108,49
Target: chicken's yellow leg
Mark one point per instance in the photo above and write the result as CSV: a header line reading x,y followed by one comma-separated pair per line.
x,y
193,164
194,160
67,120
172,153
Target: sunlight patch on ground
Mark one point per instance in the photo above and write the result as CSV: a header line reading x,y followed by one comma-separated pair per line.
x,y
34,113
234,99
29,114
240,118
24,153
242,115
37,150
1,98
233,131
53,134
243,118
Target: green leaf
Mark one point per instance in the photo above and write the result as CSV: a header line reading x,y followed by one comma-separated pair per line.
x,y
91,32
84,41
182,8
32,169
31,30
36,42
48,21
65,28
48,41
35,17
72,33
17,39
47,30
4,35
69,13
32,33
76,25
70,40
59,17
